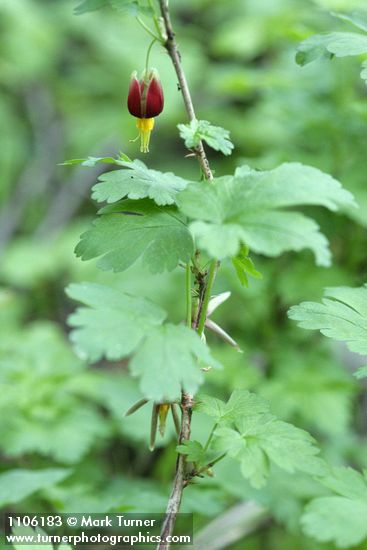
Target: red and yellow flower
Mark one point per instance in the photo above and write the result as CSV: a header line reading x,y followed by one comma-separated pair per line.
x,y
145,101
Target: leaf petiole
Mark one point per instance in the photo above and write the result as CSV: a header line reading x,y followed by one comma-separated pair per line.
x,y
147,29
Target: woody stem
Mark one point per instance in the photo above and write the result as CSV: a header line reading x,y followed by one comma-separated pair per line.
x,y
172,49
181,475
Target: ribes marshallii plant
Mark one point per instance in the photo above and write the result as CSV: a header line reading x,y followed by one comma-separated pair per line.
x,y
167,223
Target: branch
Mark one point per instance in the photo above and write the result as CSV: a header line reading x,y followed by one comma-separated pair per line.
x,y
181,478
172,49
180,481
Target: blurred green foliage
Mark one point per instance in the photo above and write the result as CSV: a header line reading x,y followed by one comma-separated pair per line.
x,y
63,84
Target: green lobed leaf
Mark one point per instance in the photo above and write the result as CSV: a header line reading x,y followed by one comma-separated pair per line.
x,y
46,400
258,440
170,360
292,184
339,44
342,315
130,230
15,485
201,130
241,403
244,266
358,18
247,209
90,5
91,161
211,406
343,44
113,324
313,387
283,497
193,450
129,6
167,358
74,432
137,181
340,518
249,433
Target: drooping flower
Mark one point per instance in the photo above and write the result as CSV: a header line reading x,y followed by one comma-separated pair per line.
x,y
159,413
145,101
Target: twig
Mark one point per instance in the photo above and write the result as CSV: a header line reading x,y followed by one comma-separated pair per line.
x,y
172,49
181,477
179,483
